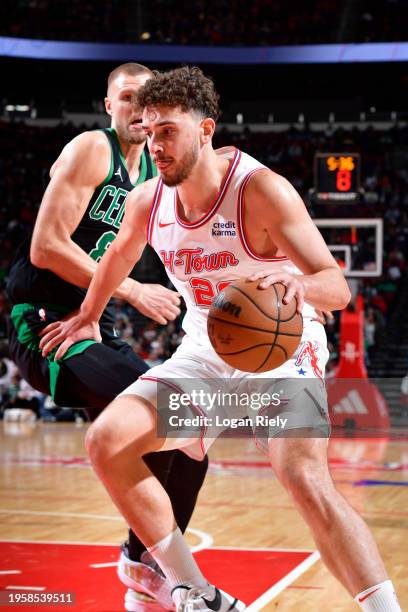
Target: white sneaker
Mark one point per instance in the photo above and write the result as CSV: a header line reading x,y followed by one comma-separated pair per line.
x,y
209,599
143,578
140,602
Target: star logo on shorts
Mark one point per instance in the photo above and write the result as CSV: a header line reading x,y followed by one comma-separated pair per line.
x,y
310,352
302,372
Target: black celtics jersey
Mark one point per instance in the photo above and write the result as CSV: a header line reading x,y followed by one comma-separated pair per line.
x,y
96,230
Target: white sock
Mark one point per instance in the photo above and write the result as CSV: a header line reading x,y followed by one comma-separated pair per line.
x,y
177,563
379,598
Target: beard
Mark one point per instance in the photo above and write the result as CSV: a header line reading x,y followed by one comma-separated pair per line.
x,y
132,138
136,138
183,169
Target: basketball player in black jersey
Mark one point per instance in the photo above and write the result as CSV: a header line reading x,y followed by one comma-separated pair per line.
x,y
80,215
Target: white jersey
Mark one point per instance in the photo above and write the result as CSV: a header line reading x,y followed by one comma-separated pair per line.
x,y
204,256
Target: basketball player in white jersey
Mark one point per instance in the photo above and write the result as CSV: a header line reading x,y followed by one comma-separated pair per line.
x,y
215,216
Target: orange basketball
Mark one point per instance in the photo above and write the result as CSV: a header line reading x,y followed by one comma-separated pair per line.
x,y
252,329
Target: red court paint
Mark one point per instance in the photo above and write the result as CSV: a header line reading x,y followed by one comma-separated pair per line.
x,y
247,574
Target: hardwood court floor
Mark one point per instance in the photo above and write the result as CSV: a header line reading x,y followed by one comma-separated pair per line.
x,y
50,494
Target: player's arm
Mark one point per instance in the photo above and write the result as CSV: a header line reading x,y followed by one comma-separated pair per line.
x,y
289,226
81,167
115,265
124,252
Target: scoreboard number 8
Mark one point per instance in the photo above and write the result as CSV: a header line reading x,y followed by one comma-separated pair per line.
x,y
337,177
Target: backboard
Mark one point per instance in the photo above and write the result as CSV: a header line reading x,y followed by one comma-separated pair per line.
x,y
356,244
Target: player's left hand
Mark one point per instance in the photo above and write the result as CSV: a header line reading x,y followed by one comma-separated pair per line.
x,y
295,289
63,334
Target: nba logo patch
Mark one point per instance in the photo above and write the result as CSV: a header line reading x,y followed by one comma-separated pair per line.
x,y
42,314
309,351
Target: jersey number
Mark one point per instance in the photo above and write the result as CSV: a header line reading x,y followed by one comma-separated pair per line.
x,y
102,244
204,291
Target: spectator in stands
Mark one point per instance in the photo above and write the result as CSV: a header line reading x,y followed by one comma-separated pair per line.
x,y
23,396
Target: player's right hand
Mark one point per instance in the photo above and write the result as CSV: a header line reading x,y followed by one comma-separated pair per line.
x,y
67,332
156,302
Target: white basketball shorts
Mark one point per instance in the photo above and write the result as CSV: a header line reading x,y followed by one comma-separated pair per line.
x,y
197,395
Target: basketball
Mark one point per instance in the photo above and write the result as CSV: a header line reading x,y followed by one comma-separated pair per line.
x,y
251,329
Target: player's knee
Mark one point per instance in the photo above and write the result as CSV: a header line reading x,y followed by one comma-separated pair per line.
x,y
122,427
99,441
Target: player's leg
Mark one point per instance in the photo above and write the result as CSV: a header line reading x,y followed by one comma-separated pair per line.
x,y
185,476
298,453
161,465
186,473
93,379
184,479
116,447
136,568
116,443
97,376
341,535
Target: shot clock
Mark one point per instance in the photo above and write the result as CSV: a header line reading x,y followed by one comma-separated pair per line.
x,y
337,177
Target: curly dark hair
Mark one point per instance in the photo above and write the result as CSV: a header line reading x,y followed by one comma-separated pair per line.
x,y
186,87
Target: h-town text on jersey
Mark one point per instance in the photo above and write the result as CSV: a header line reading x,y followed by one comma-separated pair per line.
x,y
195,260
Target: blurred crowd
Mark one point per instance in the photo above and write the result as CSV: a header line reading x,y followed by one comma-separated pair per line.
x,y
81,20
32,150
236,22
205,22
